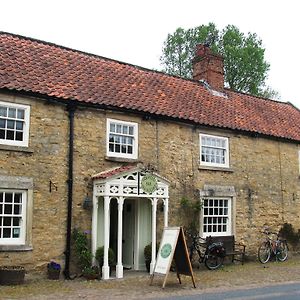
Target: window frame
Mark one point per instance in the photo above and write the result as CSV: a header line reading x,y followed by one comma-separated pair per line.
x,y
226,156
134,154
22,239
229,216
26,125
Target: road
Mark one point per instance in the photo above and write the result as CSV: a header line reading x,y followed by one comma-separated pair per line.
x,y
275,292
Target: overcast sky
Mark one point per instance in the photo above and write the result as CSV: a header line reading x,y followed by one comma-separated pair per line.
x,y
133,31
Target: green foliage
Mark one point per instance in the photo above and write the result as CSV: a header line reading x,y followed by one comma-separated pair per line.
x,y
100,256
288,232
148,252
91,270
82,250
244,64
190,210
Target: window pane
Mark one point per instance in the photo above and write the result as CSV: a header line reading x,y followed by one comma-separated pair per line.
x,y
112,127
18,198
2,134
21,114
117,148
131,130
123,149
16,232
2,123
3,111
111,147
130,141
10,135
7,221
16,221
12,113
8,197
130,150
19,125
10,124
17,209
6,232
117,139
125,129
111,138
119,128
8,209
19,136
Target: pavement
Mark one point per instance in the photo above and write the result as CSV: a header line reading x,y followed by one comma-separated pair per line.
x,y
136,285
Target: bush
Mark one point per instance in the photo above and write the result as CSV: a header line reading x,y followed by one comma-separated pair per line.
x,y
148,252
287,232
100,256
82,250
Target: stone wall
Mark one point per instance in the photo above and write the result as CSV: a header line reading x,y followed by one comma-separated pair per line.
x,y
264,173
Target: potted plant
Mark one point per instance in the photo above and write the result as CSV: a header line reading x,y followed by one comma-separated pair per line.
x,y
100,256
53,270
11,275
148,256
91,273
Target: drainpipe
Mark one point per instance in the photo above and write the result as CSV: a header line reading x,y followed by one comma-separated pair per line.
x,y
71,110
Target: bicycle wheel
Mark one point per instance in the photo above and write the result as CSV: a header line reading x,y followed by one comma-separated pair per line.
x,y
264,252
213,262
281,251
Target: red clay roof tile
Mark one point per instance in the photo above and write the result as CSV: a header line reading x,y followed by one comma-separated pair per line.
x,y
35,66
112,172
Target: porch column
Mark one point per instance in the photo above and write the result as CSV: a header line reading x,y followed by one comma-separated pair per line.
x,y
94,225
166,211
105,268
119,267
154,208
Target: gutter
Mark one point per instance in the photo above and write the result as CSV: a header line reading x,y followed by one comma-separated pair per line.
x,y
71,110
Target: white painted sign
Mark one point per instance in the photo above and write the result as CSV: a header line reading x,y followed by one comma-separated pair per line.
x,y
166,250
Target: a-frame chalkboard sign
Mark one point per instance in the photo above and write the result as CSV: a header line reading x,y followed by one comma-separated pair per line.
x,y
173,246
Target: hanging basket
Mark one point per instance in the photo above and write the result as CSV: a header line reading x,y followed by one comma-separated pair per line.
x,y
10,275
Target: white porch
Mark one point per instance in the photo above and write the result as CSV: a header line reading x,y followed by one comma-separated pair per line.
x,y
134,186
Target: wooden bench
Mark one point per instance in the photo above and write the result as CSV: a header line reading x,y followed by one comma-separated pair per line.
x,y
234,250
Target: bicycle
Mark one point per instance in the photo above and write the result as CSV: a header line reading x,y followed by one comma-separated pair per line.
x,y
276,247
211,254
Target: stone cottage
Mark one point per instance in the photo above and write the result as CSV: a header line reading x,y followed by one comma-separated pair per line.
x,y
112,148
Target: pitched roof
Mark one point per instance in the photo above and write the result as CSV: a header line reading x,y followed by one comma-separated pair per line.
x,y
29,65
112,172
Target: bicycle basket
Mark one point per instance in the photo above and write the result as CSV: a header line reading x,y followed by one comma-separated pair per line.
x,y
217,249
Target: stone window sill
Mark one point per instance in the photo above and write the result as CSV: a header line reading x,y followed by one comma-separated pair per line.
x,y
121,159
215,169
15,248
16,148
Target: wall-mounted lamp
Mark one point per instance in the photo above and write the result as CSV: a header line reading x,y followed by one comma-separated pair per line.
x,y
87,203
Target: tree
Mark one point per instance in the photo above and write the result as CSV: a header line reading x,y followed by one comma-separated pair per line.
x,y
244,65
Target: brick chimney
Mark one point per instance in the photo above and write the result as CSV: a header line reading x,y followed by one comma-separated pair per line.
x,y
209,67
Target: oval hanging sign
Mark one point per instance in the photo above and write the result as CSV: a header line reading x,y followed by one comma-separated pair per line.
x,y
149,184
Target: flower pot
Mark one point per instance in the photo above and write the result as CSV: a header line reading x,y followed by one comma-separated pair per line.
x,y
10,275
53,274
148,262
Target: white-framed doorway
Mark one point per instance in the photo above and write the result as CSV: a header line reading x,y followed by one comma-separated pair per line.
x,y
136,233
123,210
